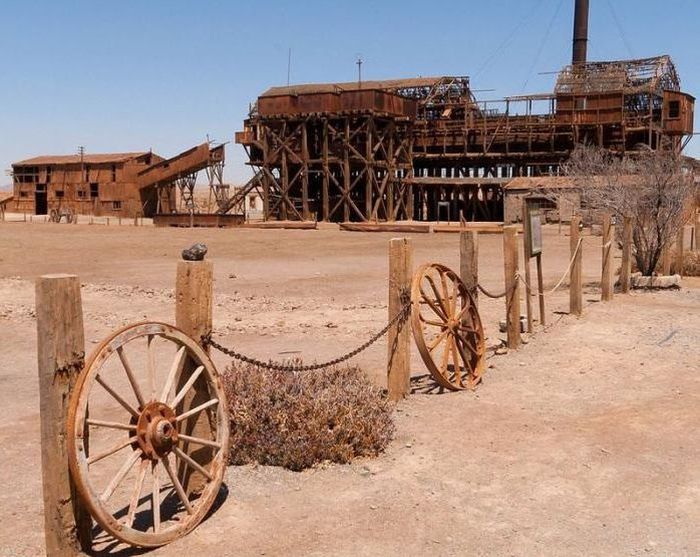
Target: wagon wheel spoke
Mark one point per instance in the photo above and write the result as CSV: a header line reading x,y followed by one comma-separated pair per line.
x,y
447,304
192,463
130,375
446,357
116,396
455,359
109,452
199,441
111,425
441,324
151,366
437,310
155,497
123,471
197,409
438,339
187,386
175,370
177,485
438,297
136,494
465,359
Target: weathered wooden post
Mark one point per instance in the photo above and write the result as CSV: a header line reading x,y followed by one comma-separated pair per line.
x,y
510,264
680,248
193,315
469,262
576,276
606,281
399,337
60,356
527,242
697,232
626,268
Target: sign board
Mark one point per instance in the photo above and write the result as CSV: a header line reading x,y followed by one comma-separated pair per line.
x,y
534,225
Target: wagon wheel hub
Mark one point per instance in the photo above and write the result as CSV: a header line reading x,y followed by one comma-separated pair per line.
x,y
156,430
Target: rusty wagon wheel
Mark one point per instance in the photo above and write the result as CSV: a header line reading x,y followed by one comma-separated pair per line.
x,y
54,216
447,327
134,434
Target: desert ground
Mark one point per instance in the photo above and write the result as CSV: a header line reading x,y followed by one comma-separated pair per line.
x,y
583,442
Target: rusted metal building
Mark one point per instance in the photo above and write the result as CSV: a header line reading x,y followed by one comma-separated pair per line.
x,y
428,149
118,184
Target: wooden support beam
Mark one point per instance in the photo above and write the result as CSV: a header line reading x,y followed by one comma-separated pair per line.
x,y
512,283
325,203
469,262
398,340
193,315
606,280
576,276
306,215
60,355
626,268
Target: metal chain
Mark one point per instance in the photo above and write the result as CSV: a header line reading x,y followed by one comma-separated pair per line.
x,y
274,366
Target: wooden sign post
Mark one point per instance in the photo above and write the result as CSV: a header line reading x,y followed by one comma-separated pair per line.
x,y
532,244
399,337
61,355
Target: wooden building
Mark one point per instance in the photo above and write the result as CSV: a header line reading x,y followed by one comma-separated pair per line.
x,y
114,184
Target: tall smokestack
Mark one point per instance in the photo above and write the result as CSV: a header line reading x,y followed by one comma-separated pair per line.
x,y
580,32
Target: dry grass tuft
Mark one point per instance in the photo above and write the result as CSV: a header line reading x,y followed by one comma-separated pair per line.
x,y
296,420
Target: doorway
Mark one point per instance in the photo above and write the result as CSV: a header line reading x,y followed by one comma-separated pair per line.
x,y
40,200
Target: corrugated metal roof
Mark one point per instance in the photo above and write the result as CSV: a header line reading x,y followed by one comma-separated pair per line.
x,y
87,159
384,84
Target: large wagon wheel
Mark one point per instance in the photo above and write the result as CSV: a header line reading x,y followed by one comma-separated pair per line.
x,y
136,473
54,215
447,327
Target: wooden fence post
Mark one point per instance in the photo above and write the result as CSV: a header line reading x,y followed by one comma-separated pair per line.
x,y
399,337
527,256
606,281
512,282
680,248
576,276
193,315
626,268
697,232
469,262
60,356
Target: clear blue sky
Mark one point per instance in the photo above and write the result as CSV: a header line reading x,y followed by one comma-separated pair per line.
x,y
133,75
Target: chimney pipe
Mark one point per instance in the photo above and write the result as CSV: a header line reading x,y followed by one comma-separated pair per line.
x,y
580,32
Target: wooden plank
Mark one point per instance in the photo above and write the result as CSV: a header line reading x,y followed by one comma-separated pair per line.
x,y
194,316
512,283
60,355
398,339
606,280
469,262
282,224
626,267
576,276
480,227
385,227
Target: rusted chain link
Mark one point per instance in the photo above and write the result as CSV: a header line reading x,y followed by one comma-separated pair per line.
x,y
400,318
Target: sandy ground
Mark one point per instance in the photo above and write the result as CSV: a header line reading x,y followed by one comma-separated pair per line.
x,y
583,442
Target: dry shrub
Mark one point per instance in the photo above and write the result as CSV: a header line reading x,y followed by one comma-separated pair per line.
x,y
299,419
691,263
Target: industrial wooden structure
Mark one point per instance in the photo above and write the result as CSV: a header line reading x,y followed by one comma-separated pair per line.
x,y
426,149
118,184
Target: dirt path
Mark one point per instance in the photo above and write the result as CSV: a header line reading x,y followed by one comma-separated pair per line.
x,y
581,443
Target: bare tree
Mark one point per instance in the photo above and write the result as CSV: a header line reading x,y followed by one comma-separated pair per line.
x,y
653,188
